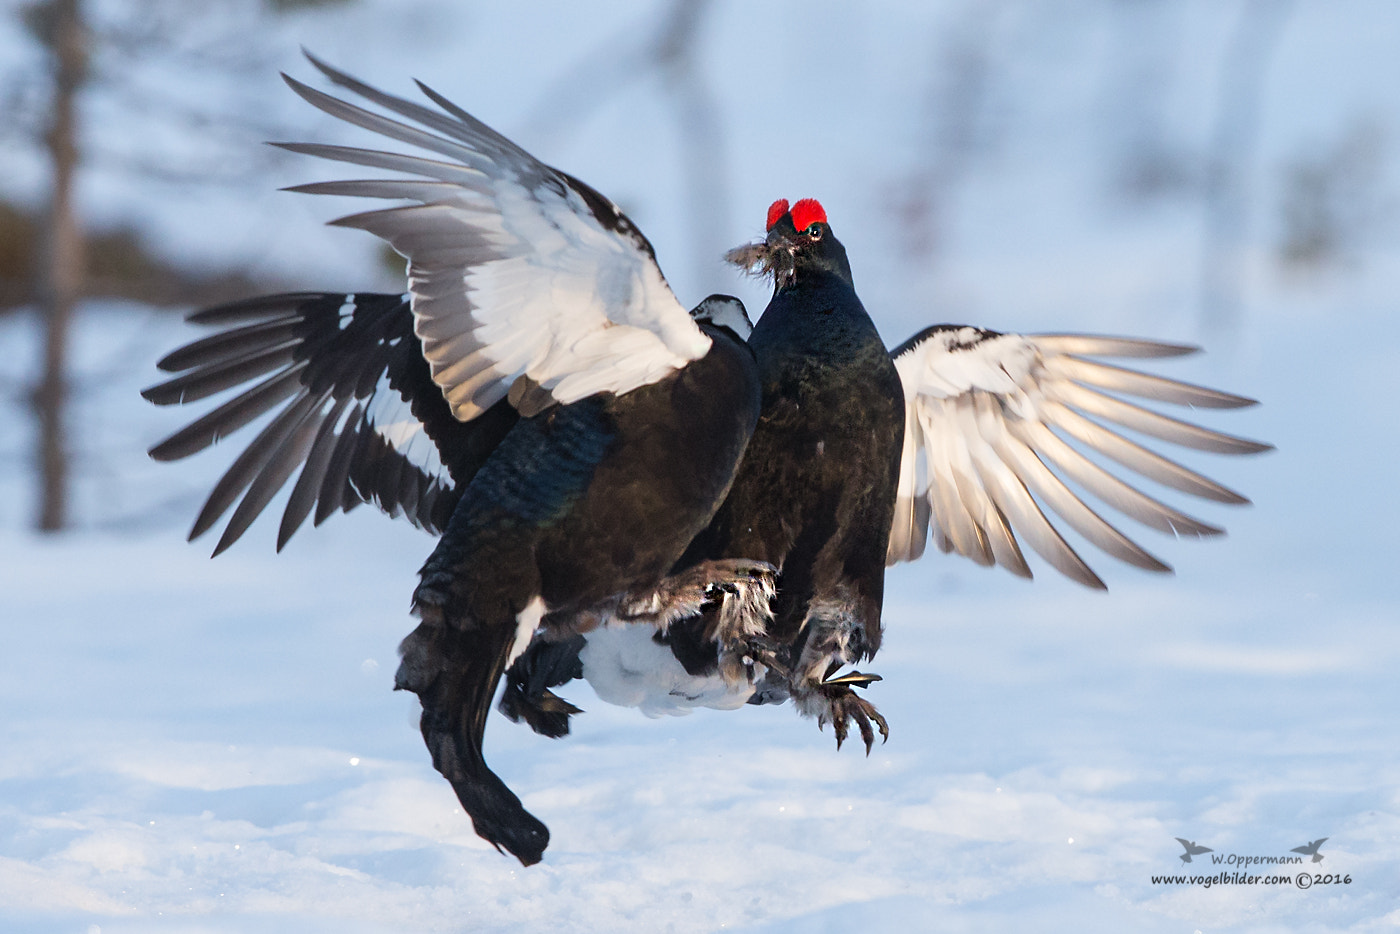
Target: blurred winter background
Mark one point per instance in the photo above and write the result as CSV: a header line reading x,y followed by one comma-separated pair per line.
x,y
212,746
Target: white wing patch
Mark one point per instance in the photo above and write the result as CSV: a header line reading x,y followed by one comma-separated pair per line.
x,y
523,282
985,449
391,417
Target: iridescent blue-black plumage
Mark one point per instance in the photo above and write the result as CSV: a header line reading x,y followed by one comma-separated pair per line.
x,y
541,399
576,505
815,492
538,396
569,508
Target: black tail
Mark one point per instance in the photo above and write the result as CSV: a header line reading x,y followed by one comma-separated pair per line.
x,y
454,673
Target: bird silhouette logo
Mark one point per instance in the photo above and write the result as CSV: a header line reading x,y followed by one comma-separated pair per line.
x,y
1311,849
1193,850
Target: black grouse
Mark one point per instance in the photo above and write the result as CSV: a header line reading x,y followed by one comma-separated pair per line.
x,y
539,397
861,454
814,496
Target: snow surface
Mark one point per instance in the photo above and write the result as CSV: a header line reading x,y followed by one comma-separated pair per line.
x,y
213,746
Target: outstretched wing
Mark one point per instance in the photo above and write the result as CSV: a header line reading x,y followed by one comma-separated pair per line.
x,y
985,449
359,412
524,282
526,288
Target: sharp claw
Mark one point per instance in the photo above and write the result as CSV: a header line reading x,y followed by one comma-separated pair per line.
x,y
847,707
866,733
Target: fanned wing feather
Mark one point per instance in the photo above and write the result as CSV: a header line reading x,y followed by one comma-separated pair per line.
x,y
519,275
987,446
353,408
526,288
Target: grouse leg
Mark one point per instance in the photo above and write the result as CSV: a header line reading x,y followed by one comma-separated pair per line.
x,y
547,663
741,589
831,638
734,596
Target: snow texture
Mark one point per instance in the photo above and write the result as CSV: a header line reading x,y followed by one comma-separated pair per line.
x,y
213,746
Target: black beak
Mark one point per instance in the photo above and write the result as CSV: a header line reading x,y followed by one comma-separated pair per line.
x,y
781,236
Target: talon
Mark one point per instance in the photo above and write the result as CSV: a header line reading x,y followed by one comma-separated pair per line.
x,y
884,727
867,735
845,706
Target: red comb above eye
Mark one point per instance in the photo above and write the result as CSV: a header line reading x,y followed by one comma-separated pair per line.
x,y
776,210
807,212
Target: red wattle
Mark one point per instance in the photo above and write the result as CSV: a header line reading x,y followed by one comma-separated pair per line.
x,y
776,210
805,213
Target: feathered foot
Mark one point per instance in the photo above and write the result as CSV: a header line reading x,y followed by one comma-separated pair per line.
x,y
833,637
738,590
547,663
730,604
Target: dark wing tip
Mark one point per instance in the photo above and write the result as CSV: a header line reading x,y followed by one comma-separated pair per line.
x,y
1088,577
1246,446
311,57
333,74
438,99
1234,401
166,452
318,99
225,541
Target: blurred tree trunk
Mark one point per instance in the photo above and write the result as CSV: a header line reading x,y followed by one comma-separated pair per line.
x,y
1242,86
61,269
703,157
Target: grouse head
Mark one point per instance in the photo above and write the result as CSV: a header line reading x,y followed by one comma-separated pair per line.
x,y
724,311
799,243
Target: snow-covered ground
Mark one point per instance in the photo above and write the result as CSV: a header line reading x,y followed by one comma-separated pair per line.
x,y
213,746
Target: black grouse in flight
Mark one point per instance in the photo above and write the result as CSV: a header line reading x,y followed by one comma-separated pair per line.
x,y
539,397
862,454
815,495
541,400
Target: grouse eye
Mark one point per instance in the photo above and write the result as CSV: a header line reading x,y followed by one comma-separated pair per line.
x,y
815,230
